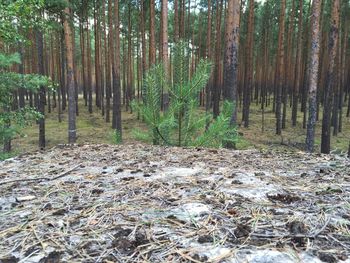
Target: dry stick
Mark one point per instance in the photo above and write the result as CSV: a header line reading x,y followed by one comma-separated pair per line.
x,y
41,178
314,235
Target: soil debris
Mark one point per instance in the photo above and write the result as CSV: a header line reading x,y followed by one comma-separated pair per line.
x,y
141,203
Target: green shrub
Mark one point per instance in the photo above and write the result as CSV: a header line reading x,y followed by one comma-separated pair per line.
x,y
182,124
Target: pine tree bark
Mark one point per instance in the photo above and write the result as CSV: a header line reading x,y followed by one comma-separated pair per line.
x,y
164,47
332,45
249,65
116,123
129,86
152,43
231,55
97,56
279,68
176,21
143,39
89,65
208,87
298,66
109,61
313,74
72,132
165,36
41,102
288,65
217,87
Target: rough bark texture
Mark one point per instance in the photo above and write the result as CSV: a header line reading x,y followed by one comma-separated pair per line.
x,y
116,122
165,36
143,39
208,56
217,83
152,43
249,65
279,68
89,72
298,65
231,54
176,20
72,132
41,102
313,74
332,46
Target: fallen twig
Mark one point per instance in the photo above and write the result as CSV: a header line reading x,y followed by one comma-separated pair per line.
x,y
41,178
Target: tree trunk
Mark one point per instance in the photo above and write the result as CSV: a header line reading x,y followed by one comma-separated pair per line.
x,y
41,102
249,65
313,74
217,88
332,45
298,66
152,40
143,39
231,55
164,47
89,76
176,20
72,132
116,123
97,56
279,68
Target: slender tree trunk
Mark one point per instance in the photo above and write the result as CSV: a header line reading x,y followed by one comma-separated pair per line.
x,y
298,66
288,77
83,57
72,132
97,56
41,106
231,55
143,39
21,91
164,43
104,58
117,121
109,53
279,67
63,73
152,43
208,87
7,147
176,20
332,45
217,88
313,74
129,88
88,53
249,65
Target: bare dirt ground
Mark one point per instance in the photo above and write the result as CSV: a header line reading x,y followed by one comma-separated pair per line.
x,y
138,203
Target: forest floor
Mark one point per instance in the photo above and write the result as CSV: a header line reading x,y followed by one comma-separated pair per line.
x,y
142,203
93,129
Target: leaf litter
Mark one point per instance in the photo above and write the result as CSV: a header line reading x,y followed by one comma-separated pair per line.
x,y
141,203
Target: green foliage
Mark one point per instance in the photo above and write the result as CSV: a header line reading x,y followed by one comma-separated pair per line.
x,y
220,132
19,15
4,156
116,137
181,124
12,121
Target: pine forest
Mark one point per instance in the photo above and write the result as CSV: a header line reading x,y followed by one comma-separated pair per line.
x,y
175,131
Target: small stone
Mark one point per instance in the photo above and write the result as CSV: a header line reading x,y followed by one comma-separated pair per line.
x,y
236,182
327,257
205,239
